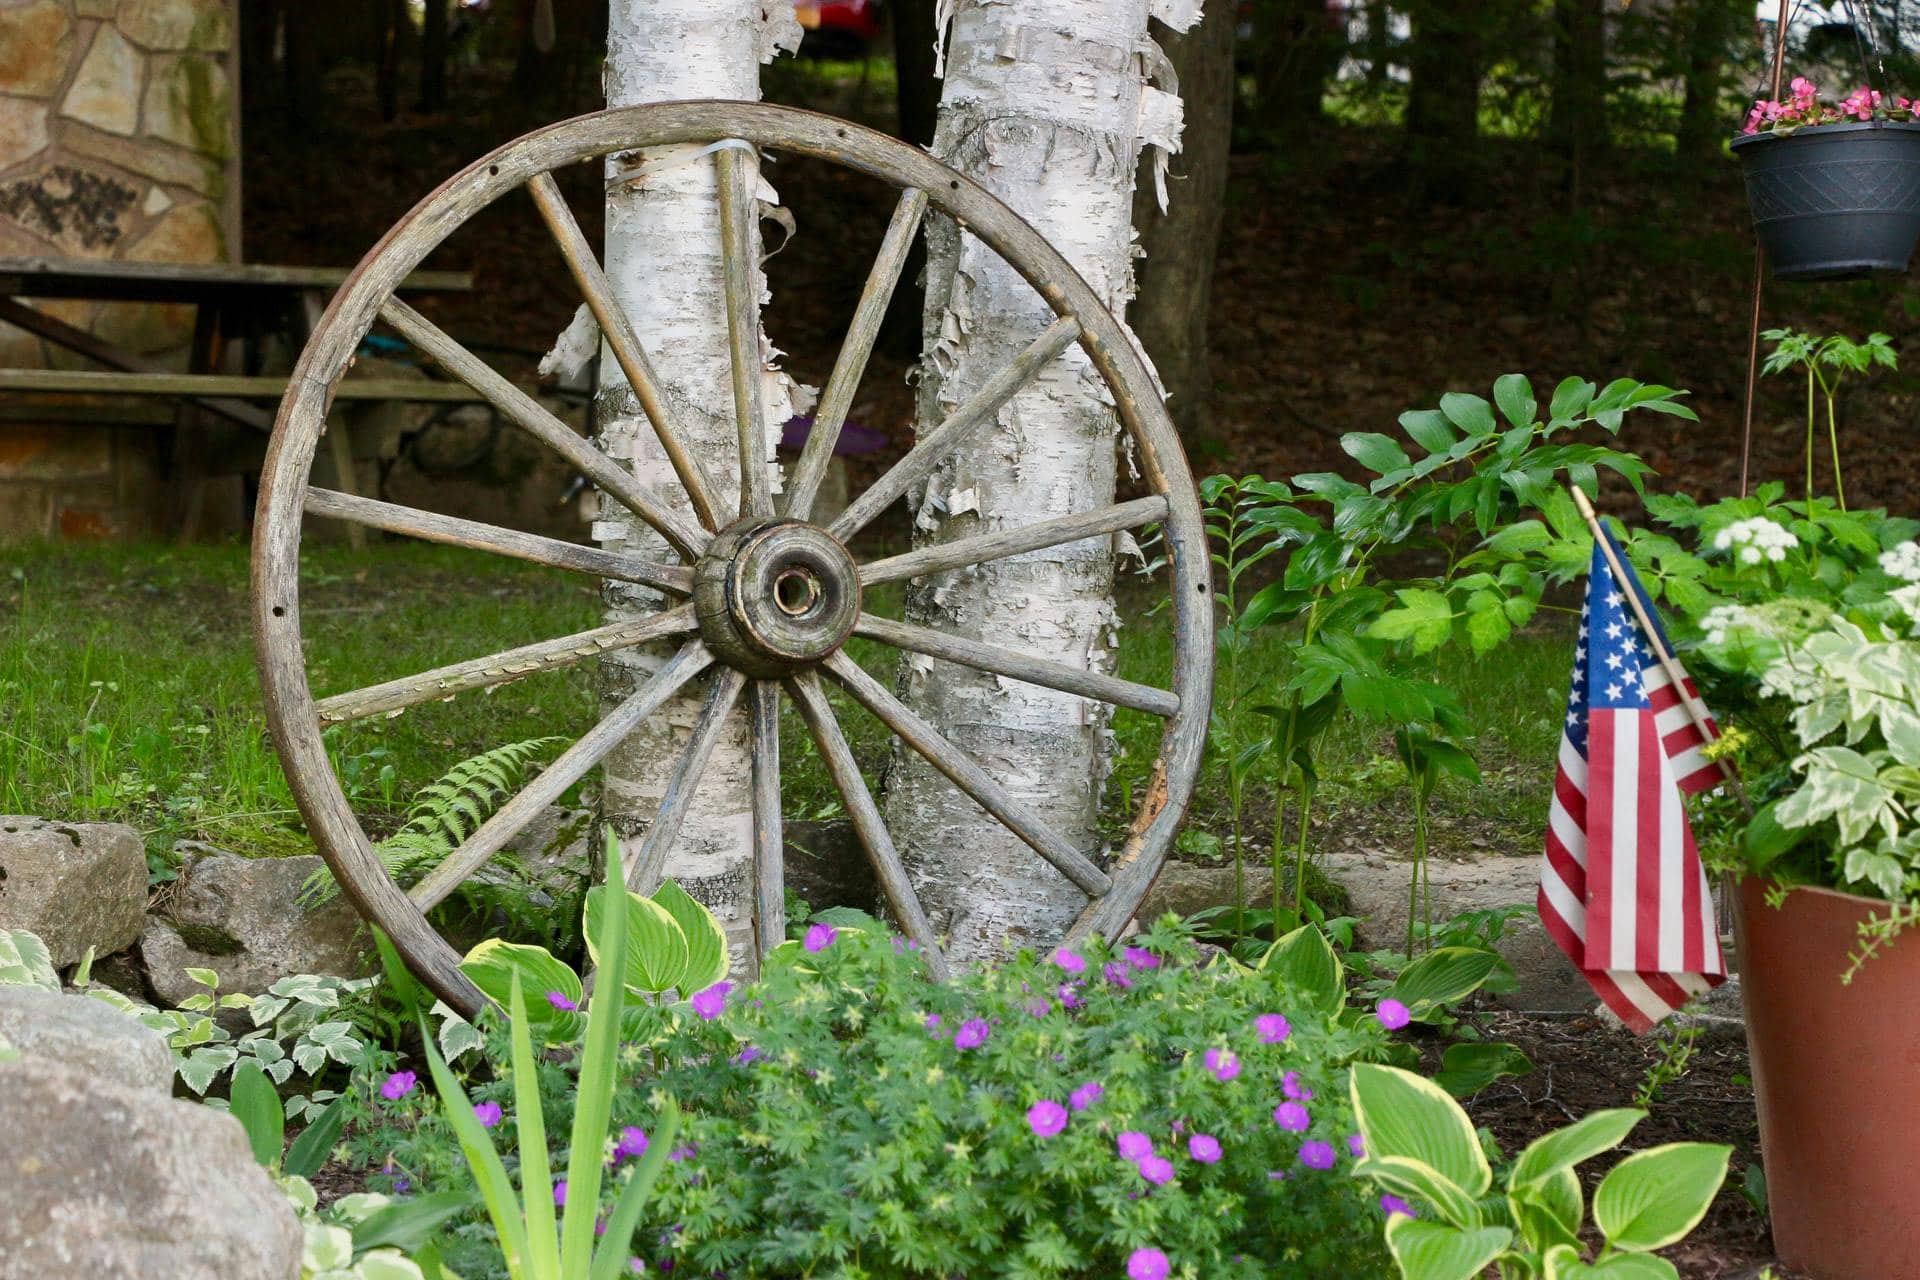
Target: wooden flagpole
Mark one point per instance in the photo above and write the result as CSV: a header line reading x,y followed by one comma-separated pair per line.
x,y
1668,663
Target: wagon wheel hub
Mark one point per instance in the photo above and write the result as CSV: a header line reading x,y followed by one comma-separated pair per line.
x,y
772,596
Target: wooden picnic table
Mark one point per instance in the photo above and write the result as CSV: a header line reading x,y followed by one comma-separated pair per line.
x,y
236,306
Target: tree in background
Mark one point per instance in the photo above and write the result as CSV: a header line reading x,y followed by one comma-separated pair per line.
x,y
1711,29
1046,103
1577,119
1296,48
664,263
1446,56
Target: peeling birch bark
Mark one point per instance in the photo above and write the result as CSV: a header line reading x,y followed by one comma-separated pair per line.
x,y
1047,103
664,262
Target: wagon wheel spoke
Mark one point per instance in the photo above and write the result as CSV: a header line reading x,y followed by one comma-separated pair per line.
x,y
625,343
983,547
442,683
548,786
837,398
769,834
743,328
432,527
811,699
977,410
646,868
965,772
1017,665
527,413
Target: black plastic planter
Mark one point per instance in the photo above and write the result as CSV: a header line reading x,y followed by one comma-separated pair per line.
x,y
1837,201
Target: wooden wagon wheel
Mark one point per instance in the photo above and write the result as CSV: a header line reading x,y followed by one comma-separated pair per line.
x,y
768,597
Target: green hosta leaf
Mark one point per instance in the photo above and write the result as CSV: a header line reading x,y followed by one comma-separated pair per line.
x,y
1470,413
1563,1263
706,941
1424,617
1466,1069
1580,1141
1764,840
255,1103
25,961
1443,977
1305,960
1654,1198
1377,453
1432,1251
1549,1210
1424,1185
314,1146
1514,394
1402,1114
491,966
1429,429
408,1224
657,951
387,1265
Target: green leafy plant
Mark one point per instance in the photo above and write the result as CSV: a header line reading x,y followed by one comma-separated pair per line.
x,y
1448,1223
25,961
369,1236
1826,361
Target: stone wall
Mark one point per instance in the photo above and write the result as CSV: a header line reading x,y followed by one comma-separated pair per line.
x,y
119,138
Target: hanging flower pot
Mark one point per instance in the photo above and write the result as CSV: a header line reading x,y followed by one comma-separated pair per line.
x,y
1834,189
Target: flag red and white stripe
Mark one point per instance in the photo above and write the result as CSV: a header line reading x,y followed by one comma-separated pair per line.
x,y
1622,891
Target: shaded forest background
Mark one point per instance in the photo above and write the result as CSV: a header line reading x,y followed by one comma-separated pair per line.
x,y
1376,203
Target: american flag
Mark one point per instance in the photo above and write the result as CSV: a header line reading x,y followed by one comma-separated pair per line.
x,y
1622,891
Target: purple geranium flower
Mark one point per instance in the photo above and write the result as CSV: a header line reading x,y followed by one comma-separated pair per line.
x,y
1390,1205
1040,1008
398,1085
1204,1147
1069,960
1223,1063
561,1000
632,1144
1317,1154
1046,1118
1272,1027
1117,974
1392,1014
750,1054
560,1193
1155,1169
1086,1095
712,1002
933,1023
1291,1086
487,1113
1070,996
1148,1264
1357,1146
1134,1145
1292,1117
1141,958
820,937
972,1034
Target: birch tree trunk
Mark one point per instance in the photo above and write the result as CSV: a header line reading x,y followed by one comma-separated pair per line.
x,y
1047,103
663,259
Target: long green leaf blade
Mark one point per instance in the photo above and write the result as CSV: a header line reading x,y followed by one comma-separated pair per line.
x,y
536,1176
593,1107
496,1188
614,1249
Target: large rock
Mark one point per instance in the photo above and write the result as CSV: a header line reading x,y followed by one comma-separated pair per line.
x,y
1186,889
244,919
1376,886
76,884
99,1179
85,1035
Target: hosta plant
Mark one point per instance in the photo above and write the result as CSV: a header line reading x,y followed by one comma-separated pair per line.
x,y
1450,1220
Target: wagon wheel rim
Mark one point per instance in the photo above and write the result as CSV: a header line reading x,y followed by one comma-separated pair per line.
x,y
766,596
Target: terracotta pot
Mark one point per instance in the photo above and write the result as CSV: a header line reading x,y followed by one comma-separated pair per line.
x,y
1836,1074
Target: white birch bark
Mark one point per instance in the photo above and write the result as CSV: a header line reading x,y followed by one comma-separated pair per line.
x,y
1047,103
663,259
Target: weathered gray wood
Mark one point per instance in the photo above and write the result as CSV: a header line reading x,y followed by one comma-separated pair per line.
x,y
59,332
534,418
978,410
501,668
202,386
431,527
808,695
743,328
1011,542
1017,665
769,831
965,772
511,818
831,413
628,352
645,869
122,281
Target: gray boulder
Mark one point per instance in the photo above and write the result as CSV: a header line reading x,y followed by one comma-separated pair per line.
x,y
75,884
244,919
1186,888
85,1036
103,1180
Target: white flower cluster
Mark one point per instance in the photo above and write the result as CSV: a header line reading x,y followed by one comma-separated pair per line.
x,y
1758,539
1724,618
1908,598
1903,562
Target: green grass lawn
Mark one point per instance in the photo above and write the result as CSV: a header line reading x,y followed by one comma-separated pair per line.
x,y
128,693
